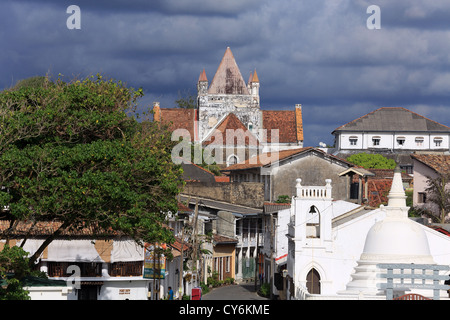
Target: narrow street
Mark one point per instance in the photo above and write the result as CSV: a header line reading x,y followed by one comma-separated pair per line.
x,y
234,292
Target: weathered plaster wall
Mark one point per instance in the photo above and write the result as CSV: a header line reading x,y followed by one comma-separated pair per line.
x,y
249,194
313,170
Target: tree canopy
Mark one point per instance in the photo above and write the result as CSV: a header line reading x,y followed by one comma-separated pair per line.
x,y
372,161
76,153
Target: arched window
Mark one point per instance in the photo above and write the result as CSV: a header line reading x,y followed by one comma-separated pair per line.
x,y
313,282
233,159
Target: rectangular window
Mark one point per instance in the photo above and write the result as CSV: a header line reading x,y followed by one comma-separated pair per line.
x,y
376,141
419,141
353,141
401,141
437,142
422,197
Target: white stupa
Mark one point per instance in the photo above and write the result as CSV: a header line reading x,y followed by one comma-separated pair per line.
x,y
395,239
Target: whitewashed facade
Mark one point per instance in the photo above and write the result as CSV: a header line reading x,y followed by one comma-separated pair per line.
x,y
395,141
326,241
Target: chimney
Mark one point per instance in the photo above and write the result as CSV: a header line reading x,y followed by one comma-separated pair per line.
x,y
299,123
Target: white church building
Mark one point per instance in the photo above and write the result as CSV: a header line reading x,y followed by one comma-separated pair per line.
x,y
333,249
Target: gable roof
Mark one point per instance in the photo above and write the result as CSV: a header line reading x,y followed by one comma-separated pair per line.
x,y
440,163
231,122
393,119
228,78
269,158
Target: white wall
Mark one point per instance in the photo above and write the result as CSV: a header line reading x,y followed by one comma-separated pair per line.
x,y
388,140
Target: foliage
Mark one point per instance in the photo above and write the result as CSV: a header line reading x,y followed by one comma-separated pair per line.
x,y
283,199
33,82
372,161
264,290
213,280
69,152
13,260
186,100
439,194
205,288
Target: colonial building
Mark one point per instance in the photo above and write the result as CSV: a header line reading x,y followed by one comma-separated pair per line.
x,y
394,133
228,119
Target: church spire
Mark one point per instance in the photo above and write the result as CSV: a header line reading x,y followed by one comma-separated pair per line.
x,y
202,84
228,78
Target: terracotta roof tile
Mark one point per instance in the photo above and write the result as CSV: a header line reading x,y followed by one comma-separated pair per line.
x,y
438,162
44,228
219,239
284,121
177,118
231,122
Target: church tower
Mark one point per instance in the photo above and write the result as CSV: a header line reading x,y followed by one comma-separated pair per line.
x,y
228,93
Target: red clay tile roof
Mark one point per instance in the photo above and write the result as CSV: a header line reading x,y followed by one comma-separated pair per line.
x,y
219,239
388,174
288,122
242,134
222,178
178,118
438,162
183,208
45,228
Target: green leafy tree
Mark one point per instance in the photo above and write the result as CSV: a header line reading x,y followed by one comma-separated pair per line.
x,y
75,153
438,194
13,259
372,161
186,100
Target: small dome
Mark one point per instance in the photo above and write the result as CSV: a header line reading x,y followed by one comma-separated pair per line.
x,y
397,240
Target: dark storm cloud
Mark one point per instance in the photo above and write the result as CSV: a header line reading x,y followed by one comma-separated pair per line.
x,y
316,53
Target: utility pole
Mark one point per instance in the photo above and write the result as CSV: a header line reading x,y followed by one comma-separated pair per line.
x,y
272,242
180,290
194,234
256,256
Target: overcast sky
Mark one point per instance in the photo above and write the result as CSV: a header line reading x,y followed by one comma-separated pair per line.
x,y
318,53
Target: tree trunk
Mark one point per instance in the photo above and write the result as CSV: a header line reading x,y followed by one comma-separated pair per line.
x,y
47,241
